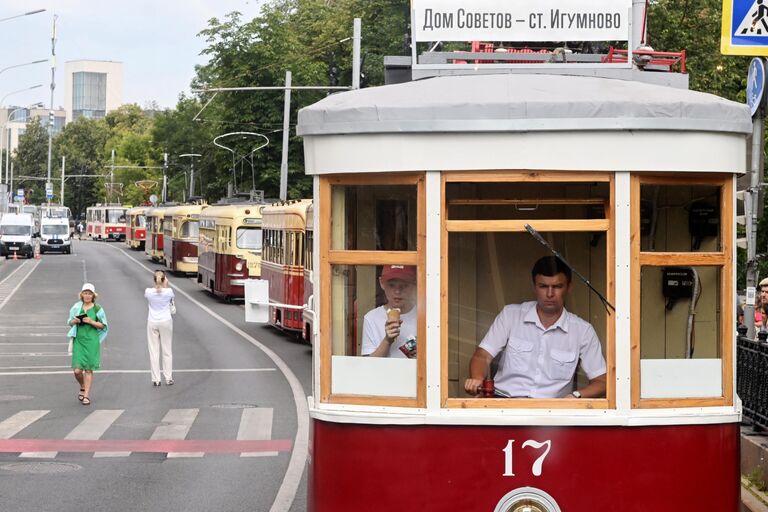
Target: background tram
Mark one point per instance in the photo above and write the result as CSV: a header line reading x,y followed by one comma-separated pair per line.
x,y
181,236
229,250
638,198
105,222
283,262
308,313
153,246
136,227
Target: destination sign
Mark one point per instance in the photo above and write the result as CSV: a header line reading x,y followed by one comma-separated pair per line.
x,y
522,20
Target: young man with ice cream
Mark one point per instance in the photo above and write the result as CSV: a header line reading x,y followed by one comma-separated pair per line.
x,y
390,330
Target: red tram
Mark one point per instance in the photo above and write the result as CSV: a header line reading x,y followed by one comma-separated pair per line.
x,y
153,245
136,227
633,184
282,262
181,236
308,313
105,222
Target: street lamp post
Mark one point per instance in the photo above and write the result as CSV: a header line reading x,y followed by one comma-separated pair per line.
x,y
49,184
192,156
2,102
40,61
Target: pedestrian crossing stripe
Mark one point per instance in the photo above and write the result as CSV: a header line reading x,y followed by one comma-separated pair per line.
x,y
755,22
169,437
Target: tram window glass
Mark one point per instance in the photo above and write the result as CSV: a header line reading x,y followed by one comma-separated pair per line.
x,y
308,250
358,313
488,271
490,256
249,238
140,221
115,216
189,229
679,218
508,201
374,217
680,320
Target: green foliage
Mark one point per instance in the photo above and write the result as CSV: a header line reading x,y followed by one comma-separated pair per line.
x,y
31,159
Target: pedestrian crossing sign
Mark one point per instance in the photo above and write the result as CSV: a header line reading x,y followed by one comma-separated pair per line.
x,y
744,29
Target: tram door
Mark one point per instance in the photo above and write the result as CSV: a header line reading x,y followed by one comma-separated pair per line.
x,y
381,218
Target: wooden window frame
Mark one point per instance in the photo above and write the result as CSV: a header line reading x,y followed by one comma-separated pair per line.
x,y
606,225
722,259
328,258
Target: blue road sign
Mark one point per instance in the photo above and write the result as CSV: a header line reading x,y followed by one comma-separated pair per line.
x,y
744,28
755,84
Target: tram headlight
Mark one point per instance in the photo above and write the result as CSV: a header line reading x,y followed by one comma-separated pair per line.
x,y
239,266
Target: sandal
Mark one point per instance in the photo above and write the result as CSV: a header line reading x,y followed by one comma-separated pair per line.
x,y
81,395
86,401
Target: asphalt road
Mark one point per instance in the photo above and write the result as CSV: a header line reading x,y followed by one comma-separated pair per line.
x,y
230,435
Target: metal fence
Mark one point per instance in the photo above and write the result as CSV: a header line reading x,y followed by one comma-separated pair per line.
x,y
752,380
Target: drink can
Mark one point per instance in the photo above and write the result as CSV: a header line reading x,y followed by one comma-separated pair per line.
x,y
488,388
409,346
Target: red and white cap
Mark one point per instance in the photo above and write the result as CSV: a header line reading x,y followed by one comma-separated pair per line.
x,y
405,273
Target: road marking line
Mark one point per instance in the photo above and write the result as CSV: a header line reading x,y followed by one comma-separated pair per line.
x,y
91,428
178,422
194,370
290,484
10,294
19,422
143,445
256,424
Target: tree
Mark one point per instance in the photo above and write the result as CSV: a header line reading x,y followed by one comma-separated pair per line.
x,y
82,142
31,159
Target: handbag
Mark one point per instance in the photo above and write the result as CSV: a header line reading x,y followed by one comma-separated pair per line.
x,y
172,306
69,345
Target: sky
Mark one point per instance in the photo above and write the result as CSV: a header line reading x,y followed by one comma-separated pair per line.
x,y
156,40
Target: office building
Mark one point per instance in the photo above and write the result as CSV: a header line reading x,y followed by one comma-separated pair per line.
x,y
92,88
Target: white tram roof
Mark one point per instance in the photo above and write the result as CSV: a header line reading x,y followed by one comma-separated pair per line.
x,y
508,107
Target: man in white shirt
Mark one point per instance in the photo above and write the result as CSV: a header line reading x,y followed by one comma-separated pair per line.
x,y
386,330
542,342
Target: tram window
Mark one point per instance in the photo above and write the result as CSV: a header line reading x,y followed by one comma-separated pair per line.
x,y
189,229
249,238
140,221
358,315
489,270
374,217
680,321
523,200
676,218
308,250
115,216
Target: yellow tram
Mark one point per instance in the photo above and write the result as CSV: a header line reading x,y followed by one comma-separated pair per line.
x,y
229,250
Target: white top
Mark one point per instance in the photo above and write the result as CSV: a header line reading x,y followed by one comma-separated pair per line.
x,y
539,362
159,304
373,331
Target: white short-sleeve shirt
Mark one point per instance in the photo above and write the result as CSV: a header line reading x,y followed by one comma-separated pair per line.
x,y
373,331
539,362
159,304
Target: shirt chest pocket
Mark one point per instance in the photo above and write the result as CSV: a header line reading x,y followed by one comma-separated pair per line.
x,y
561,364
519,354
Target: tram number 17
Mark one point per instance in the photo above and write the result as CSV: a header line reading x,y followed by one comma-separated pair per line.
x,y
536,470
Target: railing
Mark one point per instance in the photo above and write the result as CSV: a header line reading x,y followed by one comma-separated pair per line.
x,y
648,59
752,379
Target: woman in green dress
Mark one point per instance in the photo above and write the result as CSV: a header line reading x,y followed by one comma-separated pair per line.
x,y
88,329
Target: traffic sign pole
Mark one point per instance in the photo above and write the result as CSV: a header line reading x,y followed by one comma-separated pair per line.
x,y
756,103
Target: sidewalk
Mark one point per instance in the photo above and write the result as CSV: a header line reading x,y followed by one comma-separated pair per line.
x,y
754,470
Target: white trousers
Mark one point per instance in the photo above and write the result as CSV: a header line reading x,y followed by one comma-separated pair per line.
x,y
160,339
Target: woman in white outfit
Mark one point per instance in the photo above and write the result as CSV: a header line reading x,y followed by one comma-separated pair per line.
x,y
160,328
